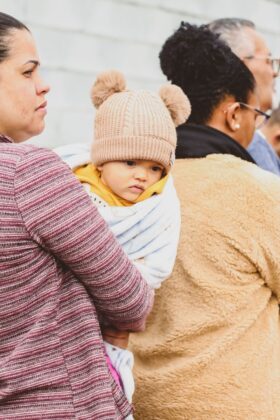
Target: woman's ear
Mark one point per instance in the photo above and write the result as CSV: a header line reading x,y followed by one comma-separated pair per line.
x,y
233,116
99,168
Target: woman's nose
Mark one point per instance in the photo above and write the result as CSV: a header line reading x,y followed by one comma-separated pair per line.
x,y
42,86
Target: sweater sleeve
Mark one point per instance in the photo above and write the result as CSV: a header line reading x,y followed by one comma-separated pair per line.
x,y
60,217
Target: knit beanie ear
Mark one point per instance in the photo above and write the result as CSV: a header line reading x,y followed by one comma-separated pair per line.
x,y
176,102
106,84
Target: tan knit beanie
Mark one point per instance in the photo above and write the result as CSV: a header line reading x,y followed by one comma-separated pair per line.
x,y
136,124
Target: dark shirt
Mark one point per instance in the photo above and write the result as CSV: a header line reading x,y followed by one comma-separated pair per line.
x,y
197,141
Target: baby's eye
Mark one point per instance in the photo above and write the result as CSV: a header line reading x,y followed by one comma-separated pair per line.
x,y
130,163
157,169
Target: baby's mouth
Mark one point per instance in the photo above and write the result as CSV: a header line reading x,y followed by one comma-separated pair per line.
x,y
136,188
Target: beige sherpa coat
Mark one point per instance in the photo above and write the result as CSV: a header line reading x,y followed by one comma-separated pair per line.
x,y
211,349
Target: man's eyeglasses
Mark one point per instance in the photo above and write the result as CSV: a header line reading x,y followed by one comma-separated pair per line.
x,y
272,61
261,117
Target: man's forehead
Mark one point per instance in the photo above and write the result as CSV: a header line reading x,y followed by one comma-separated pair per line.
x,y
258,42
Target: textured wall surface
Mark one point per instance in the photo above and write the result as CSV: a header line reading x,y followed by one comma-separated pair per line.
x,y
79,38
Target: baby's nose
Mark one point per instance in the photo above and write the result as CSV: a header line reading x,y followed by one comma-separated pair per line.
x,y
141,174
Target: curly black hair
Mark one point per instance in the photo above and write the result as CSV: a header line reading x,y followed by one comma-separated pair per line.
x,y
198,61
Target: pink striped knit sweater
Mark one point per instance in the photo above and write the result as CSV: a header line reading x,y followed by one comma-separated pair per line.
x,y
59,266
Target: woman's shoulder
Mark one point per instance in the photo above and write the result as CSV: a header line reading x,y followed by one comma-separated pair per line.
x,y
20,150
226,178
15,155
224,166
22,161
257,180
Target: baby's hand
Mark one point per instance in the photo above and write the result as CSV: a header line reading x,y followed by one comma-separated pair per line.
x,y
115,337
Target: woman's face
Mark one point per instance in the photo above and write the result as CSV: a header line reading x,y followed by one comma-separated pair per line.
x,y
22,91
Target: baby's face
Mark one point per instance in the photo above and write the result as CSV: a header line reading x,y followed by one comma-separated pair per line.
x,y
128,179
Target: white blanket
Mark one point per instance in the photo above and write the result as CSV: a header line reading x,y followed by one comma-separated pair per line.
x,y
148,231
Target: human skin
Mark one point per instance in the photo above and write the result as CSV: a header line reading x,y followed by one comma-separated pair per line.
x,y
129,179
272,134
236,121
261,68
22,91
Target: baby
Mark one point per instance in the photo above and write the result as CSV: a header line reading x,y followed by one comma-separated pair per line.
x,y
128,179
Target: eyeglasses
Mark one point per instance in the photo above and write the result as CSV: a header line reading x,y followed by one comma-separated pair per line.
x,y
272,61
261,117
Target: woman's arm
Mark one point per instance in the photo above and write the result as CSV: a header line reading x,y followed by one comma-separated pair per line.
x,y
61,218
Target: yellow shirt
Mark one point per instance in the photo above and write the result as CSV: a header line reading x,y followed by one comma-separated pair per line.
x,y
90,175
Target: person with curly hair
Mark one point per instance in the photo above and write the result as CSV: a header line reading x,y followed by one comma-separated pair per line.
x,y
211,349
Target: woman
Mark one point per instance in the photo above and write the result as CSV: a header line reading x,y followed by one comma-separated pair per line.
x,y
211,349
60,267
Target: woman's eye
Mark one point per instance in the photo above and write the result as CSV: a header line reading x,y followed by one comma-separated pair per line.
x,y
28,73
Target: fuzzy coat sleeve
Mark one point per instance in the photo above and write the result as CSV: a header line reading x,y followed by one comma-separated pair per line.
x,y
264,215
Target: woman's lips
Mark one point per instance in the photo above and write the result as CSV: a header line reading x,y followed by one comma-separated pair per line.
x,y
42,107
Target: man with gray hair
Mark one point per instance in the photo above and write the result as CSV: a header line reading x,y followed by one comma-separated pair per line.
x,y
250,47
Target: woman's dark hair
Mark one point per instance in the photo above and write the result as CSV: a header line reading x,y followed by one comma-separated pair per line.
x,y
7,24
195,59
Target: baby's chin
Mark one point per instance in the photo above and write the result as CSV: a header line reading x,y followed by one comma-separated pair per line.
x,y
131,197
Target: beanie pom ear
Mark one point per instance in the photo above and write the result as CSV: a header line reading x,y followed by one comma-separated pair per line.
x,y
176,102
106,84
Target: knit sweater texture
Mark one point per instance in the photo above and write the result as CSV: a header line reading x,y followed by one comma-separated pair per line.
x,y
60,267
211,349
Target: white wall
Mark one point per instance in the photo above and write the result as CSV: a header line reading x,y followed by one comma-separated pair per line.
x,y
79,38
